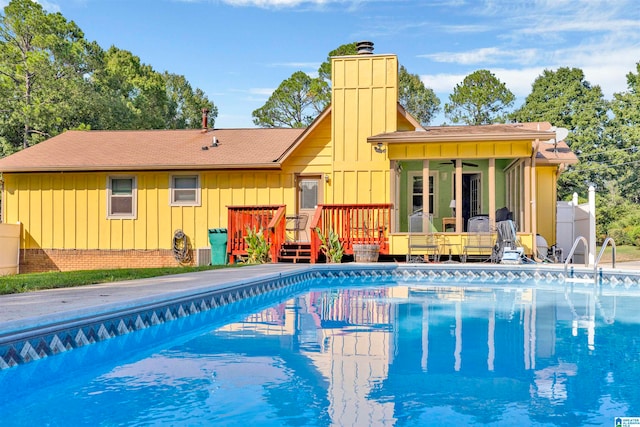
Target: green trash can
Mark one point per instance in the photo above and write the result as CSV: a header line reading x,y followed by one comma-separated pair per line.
x,y
218,241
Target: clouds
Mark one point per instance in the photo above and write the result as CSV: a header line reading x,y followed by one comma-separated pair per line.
x,y
487,55
519,39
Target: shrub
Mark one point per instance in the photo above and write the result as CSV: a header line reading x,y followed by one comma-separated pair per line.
x,y
257,247
619,236
617,217
331,246
634,235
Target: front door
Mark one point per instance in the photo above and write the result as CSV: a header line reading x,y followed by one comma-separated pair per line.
x,y
309,196
471,195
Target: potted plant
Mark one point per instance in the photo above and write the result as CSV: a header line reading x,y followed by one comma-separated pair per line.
x,y
331,246
257,247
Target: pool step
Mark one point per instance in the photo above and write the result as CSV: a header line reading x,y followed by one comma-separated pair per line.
x,y
295,252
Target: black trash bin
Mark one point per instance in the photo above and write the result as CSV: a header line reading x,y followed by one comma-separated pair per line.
x,y
218,241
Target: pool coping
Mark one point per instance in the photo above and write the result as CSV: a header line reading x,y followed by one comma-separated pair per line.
x,y
147,302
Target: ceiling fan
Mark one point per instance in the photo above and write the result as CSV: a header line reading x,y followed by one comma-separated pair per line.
x,y
453,162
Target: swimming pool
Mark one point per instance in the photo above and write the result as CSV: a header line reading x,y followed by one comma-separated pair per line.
x,y
359,347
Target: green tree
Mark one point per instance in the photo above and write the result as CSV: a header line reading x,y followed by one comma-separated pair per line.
x,y
565,99
137,89
292,104
420,101
480,99
185,104
132,95
52,79
625,131
43,61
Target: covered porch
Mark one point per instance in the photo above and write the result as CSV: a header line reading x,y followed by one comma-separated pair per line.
x,y
450,192
456,173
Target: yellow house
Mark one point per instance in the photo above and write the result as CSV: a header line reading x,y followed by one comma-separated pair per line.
x,y
103,199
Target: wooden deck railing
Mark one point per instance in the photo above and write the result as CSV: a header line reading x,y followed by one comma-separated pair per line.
x,y
276,230
270,219
354,223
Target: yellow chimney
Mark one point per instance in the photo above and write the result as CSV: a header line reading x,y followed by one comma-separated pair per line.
x,y
364,102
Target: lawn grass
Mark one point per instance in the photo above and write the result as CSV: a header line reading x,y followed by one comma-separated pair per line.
x,y
38,281
623,253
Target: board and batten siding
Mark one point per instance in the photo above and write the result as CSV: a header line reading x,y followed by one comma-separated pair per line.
x,y
364,103
546,195
69,210
460,150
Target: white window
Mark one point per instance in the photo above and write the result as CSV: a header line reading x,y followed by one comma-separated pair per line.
x,y
308,194
185,190
417,193
121,197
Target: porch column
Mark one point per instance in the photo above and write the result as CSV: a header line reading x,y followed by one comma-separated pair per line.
x,y
425,196
492,192
394,180
527,195
534,202
458,196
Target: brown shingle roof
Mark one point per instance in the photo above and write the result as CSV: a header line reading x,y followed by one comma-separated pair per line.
x,y
498,132
462,133
154,149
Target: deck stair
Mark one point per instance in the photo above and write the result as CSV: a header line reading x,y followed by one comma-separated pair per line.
x,y
295,252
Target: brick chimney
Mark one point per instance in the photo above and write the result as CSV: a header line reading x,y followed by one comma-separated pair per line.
x,y
205,118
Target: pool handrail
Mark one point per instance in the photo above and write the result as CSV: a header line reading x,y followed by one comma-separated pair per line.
x,y
573,249
613,254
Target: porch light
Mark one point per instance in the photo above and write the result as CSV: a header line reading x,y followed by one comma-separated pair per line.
x,y
379,148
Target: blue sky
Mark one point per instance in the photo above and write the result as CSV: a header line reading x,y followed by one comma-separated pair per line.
x,y
239,51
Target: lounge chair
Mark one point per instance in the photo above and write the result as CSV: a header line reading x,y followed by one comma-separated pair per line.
x,y
479,240
422,242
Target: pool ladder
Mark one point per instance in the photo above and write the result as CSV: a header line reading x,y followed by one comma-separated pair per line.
x,y
613,254
597,260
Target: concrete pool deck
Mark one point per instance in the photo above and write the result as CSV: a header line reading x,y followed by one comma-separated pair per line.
x,y
30,308
27,308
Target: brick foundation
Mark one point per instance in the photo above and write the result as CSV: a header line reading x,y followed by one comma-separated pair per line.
x,y
41,260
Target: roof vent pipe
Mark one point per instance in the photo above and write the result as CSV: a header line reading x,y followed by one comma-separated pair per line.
x,y
205,117
364,47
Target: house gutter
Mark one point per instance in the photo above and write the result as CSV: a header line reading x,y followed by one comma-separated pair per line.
x,y
424,136
120,168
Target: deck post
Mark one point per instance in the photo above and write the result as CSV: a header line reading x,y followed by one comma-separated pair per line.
x,y
458,197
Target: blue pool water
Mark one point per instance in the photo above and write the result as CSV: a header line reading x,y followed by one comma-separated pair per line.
x,y
358,353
